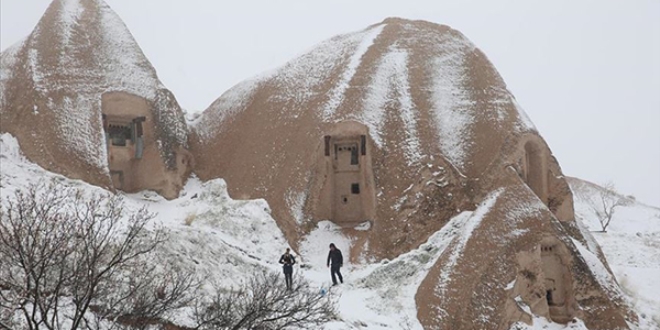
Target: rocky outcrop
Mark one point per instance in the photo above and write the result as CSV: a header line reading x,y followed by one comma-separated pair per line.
x,y
439,124
77,71
392,131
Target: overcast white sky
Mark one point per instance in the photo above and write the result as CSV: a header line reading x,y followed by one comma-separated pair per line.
x,y
587,72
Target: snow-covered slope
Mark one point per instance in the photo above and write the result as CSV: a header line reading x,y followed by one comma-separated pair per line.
x,y
225,241
220,239
631,246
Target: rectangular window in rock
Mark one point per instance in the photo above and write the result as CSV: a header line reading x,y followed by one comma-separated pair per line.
x,y
118,134
355,188
354,155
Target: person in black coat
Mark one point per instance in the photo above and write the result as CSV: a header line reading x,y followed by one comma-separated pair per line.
x,y
287,260
337,260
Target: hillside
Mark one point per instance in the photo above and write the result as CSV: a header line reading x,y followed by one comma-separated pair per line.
x,y
230,239
631,245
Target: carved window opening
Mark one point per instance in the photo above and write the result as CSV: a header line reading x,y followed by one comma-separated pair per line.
x,y
354,156
120,130
118,134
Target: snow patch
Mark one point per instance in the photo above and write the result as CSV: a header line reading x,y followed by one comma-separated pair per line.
x,y
600,272
315,247
523,305
528,209
82,138
364,226
450,106
630,246
338,91
539,323
390,83
510,285
397,281
8,59
33,65
462,239
10,151
70,12
313,68
125,67
296,202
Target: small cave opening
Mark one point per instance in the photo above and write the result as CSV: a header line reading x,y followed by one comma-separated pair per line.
x,y
557,281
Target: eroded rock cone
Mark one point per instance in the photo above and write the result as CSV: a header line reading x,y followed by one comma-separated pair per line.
x,y
396,129
83,101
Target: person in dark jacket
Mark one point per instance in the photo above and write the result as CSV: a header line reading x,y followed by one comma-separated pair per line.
x,y
287,260
337,260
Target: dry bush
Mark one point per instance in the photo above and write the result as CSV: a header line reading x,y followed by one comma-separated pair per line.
x,y
76,261
65,254
264,302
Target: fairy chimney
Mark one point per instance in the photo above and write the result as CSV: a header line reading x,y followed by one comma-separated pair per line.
x,y
399,128
83,101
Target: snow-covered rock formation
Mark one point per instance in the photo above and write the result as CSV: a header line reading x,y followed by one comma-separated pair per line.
x,y
393,131
400,143
83,100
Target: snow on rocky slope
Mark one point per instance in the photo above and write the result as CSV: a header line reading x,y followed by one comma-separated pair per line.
x,y
220,239
373,69
631,246
225,241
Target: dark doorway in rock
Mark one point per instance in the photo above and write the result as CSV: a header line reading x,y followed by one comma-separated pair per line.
x,y
557,280
548,297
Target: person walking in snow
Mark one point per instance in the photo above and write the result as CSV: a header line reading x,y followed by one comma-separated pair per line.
x,y
287,260
337,260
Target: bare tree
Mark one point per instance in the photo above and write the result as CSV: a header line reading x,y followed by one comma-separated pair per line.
x,y
605,203
264,302
66,254
71,260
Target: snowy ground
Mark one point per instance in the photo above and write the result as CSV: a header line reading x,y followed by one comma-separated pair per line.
x,y
632,248
226,241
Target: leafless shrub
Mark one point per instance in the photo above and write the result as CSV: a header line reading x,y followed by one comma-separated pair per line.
x,y
65,254
264,302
